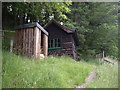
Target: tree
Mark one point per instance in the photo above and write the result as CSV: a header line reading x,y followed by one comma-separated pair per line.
x,y
42,12
97,25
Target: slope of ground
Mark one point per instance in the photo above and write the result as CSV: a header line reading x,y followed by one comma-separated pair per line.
x,y
106,77
53,72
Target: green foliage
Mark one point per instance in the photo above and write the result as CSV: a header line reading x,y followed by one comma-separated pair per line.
x,y
21,12
96,22
52,72
97,25
70,24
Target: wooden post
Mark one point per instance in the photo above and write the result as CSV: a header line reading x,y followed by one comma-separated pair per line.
x,y
11,45
103,55
24,42
37,43
3,35
16,42
45,44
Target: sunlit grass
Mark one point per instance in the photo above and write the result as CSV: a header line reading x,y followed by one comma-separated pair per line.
x,y
52,72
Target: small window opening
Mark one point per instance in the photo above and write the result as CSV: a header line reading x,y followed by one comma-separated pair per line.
x,y
54,43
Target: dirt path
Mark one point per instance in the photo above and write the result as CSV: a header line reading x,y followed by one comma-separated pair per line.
x,y
91,76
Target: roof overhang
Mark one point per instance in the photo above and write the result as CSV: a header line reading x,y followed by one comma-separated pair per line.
x,y
66,29
30,25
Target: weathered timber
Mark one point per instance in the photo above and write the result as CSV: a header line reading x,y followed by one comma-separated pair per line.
x,y
45,45
28,41
37,43
67,37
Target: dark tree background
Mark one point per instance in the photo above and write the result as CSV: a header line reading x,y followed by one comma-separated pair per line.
x,y
96,23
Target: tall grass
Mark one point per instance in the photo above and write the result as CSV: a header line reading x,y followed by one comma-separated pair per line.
x,y
107,76
52,72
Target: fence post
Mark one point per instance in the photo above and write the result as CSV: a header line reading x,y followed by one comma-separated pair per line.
x,y
11,45
103,55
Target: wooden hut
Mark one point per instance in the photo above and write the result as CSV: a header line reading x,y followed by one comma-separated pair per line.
x,y
62,40
31,40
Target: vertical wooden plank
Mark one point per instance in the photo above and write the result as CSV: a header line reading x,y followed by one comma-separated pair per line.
x,y
32,41
19,42
16,41
31,46
33,32
26,36
18,45
37,43
45,44
29,42
24,42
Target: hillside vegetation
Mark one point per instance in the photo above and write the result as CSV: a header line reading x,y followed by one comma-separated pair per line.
x,y
96,25
56,72
52,72
107,76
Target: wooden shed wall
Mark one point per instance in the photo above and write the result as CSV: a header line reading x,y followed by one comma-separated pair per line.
x,y
25,42
65,38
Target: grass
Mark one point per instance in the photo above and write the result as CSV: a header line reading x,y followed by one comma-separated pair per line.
x,y
107,76
52,72
55,72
